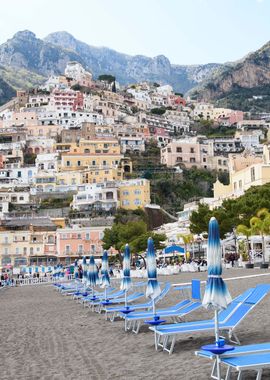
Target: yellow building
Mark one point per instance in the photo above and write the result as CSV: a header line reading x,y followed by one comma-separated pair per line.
x,y
245,171
97,175
134,193
69,178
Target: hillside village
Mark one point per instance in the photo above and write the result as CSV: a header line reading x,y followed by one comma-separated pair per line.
x,y
68,148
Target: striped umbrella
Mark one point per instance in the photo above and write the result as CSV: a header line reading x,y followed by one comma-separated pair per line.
x,y
76,270
216,296
105,278
84,269
153,288
126,280
92,273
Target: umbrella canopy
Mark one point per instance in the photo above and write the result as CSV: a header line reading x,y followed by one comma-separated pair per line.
x,y
105,278
126,280
92,272
153,288
84,268
76,269
216,296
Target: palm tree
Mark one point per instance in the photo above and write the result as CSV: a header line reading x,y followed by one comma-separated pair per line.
x,y
241,229
188,239
260,224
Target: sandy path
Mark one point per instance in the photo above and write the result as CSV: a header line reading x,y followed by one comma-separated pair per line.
x,y
47,336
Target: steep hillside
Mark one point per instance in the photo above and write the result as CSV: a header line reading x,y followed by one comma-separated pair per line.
x,y
26,60
243,79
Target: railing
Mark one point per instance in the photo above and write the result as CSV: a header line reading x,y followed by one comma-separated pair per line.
x,y
42,280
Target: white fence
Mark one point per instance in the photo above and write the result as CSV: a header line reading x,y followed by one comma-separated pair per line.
x,y
42,280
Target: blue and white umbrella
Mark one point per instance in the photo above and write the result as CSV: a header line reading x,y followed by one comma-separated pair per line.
x,y
153,289
84,269
126,280
76,270
216,296
105,278
92,273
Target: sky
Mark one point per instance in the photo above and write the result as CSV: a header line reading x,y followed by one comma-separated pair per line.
x,y
186,31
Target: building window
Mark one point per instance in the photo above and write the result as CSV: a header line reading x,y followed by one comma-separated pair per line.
x,y
19,174
87,236
137,202
17,250
67,249
192,159
235,186
79,163
125,203
79,236
125,192
191,150
6,251
68,163
6,240
252,174
179,159
137,192
204,159
240,184
80,248
25,250
219,162
179,150
31,251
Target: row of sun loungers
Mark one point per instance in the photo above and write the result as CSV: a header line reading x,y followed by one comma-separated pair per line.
x,y
255,357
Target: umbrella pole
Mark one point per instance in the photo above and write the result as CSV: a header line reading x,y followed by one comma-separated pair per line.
x,y
217,340
105,293
125,298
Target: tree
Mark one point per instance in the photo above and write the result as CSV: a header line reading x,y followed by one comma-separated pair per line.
x,y
106,78
261,224
188,239
158,111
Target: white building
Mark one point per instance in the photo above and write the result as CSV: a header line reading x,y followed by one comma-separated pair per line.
x,y
101,196
132,144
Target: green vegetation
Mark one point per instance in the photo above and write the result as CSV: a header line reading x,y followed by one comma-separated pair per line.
x,y
158,111
56,202
233,212
169,189
29,158
106,78
130,227
242,98
207,128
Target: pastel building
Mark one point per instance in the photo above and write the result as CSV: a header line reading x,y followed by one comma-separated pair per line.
x,y
73,242
245,171
134,193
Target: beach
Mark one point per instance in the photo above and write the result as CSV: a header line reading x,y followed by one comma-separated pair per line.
x,y
47,336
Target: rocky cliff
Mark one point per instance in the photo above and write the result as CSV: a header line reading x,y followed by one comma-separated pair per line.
x,y
26,60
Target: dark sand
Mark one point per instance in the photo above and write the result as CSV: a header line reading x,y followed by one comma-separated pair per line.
x,y
47,336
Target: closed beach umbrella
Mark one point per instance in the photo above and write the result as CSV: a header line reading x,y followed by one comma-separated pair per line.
x,y
76,270
216,296
92,273
84,268
105,278
153,288
126,280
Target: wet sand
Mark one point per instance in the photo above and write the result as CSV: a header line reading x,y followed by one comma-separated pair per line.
x,y
46,336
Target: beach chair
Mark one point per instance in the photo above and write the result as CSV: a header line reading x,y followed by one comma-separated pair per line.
x,y
176,312
249,357
116,311
100,295
99,306
167,334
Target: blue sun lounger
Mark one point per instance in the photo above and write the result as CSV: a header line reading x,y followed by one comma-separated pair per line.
x,y
116,311
117,300
100,295
167,333
176,312
249,357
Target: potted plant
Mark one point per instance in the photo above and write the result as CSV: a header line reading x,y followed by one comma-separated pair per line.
x,y
243,247
261,224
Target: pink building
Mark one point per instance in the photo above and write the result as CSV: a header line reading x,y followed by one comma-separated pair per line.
x,y
232,119
79,241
